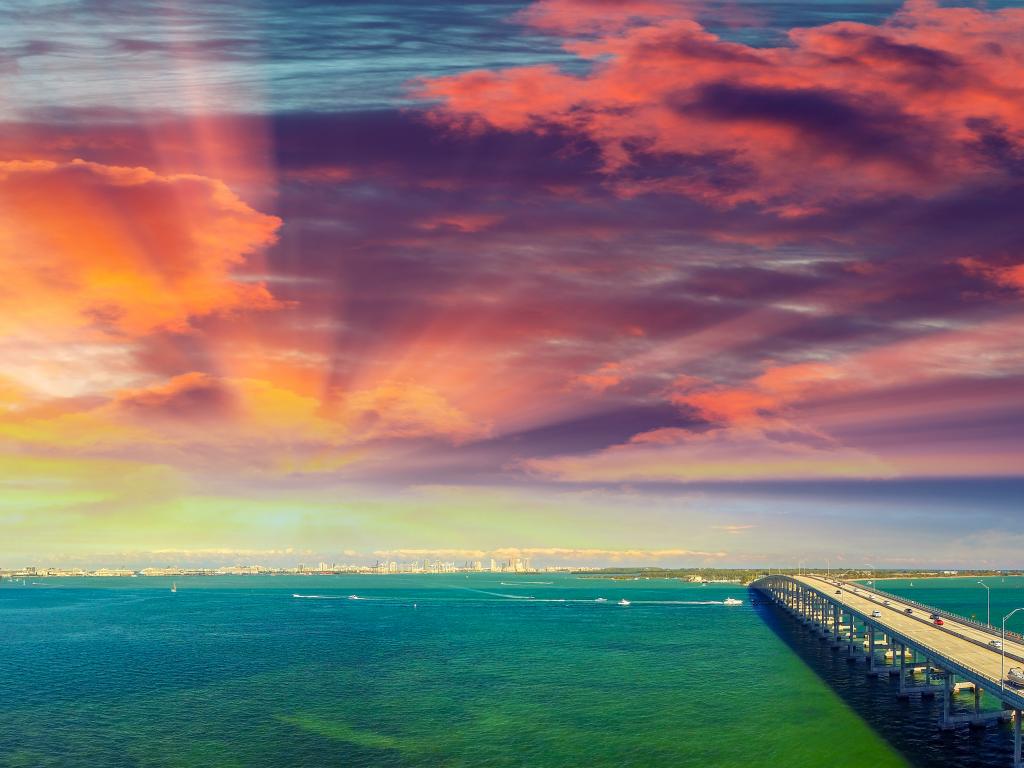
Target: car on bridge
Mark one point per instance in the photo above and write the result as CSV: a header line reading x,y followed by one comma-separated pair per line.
x,y
908,611
1015,677
885,602
939,622
934,616
996,643
839,591
876,614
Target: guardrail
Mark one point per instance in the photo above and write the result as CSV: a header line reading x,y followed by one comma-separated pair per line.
x,y
944,628
994,684
1017,638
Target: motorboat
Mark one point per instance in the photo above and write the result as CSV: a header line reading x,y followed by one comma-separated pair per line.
x,y
733,601
601,600
624,601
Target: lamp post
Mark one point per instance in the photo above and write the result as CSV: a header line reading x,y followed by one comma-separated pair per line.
x,y
1002,648
988,594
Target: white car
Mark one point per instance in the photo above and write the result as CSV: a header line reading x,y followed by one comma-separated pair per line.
x,y
876,614
885,602
996,643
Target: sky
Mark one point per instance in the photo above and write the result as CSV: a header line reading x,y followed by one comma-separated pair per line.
x,y
644,282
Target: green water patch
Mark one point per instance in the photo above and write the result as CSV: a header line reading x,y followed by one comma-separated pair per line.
x,y
338,730
224,680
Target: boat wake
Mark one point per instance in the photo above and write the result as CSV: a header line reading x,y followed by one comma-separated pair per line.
x,y
680,602
498,594
517,583
317,597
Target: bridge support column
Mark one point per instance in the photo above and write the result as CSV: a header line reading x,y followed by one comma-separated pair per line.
x,y
947,695
903,667
871,647
853,638
1016,739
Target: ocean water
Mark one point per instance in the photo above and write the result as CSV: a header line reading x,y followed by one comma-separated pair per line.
x,y
440,671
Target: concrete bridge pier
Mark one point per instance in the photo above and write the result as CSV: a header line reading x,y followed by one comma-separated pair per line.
x,y
883,668
974,719
851,647
1016,740
924,669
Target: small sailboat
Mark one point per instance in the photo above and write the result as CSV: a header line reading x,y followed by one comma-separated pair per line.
x,y
624,601
174,586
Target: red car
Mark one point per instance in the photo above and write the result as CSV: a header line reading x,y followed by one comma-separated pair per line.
x,y
939,622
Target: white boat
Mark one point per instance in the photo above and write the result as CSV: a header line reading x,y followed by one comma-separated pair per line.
x,y
174,586
601,600
733,601
623,601
354,597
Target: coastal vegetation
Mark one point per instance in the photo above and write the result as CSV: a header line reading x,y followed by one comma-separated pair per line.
x,y
746,575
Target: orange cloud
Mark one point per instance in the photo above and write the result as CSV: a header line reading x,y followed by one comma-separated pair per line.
x,y
394,409
1006,276
607,376
783,424
764,398
190,397
117,251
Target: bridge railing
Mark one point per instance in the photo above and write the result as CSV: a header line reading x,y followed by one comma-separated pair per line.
x,y
946,661
944,613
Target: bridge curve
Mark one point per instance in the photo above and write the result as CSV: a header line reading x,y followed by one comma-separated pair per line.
x,y
928,657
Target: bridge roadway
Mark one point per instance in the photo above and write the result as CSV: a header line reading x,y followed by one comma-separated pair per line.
x,y
956,640
959,649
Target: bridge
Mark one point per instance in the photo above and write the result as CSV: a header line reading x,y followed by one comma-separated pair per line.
x,y
899,637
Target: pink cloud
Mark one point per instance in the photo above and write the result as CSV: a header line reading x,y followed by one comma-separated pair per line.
x,y
845,110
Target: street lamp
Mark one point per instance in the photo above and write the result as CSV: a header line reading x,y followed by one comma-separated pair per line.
x,y
1002,647
988,592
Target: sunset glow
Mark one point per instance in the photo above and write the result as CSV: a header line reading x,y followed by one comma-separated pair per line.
x,y
660,282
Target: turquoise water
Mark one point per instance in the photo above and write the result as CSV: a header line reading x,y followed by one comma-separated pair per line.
x,y
438,671
965,597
